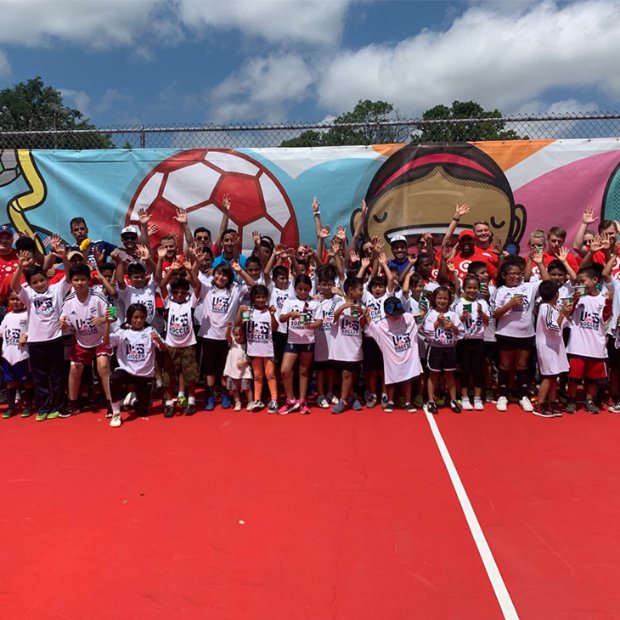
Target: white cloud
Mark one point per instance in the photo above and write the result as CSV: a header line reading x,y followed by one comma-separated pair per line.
x,y
262,89
5,67
313,22
498,59
76,99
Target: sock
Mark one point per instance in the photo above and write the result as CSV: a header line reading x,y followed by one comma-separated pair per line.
x,y
502,380
181,394
169,402
191,400
523,381
28,393
11,394
116,407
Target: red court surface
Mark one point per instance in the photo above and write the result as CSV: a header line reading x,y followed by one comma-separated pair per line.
x,y
237,515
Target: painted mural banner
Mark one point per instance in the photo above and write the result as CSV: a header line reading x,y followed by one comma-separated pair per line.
x,y
516,186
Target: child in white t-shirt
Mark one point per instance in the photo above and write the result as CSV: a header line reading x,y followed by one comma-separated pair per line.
x,y
397,337
131,384
15,363
260,323
347,354
237,370
552,359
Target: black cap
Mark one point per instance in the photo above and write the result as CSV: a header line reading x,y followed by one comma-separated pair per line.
x,y
393,306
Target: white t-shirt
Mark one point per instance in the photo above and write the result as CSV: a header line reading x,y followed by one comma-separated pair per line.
x,y
587,329
13,325
220,306
259,334
550,349
473,327
324,336
206,280
179,326
298,333
80,315
277,297
145,295
399,344
518,321
347,344
375,305
236,354
135,351
441,336
44,310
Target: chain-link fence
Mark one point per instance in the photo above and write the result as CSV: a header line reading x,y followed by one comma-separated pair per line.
x,y
587,125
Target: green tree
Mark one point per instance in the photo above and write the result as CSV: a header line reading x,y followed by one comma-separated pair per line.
x,y
362,125
33,106
476,130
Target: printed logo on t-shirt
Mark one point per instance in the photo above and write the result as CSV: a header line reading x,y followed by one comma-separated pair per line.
x,y
473,326
588,320
349,327
523,306
444,336
258,332
220,305
11,337
135,352
43,306
375,310
84,327
402,342
179,325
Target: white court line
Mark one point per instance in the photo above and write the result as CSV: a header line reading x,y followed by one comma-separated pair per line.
x,y
499,587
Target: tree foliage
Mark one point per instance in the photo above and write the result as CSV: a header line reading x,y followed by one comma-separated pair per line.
x,y
477,130
366,118
33,106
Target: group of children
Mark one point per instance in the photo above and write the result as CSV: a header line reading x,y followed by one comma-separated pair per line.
x,y
324,321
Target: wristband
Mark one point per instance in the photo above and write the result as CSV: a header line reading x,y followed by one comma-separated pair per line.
x,y
317,213
456,219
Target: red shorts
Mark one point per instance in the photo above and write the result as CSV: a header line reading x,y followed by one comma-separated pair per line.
x,y
85,355
587,368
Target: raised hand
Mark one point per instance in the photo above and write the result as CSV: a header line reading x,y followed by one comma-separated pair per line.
x,y
144,217
256,237
152,229
98,254
226,204
365,262
461,210
588,216
236,266
181,216
324,232
341,232
316,207
55,242
364,210
563,253
142,251
161,252
353,256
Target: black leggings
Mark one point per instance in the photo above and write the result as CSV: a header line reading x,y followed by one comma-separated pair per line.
x,y
471,360
120,383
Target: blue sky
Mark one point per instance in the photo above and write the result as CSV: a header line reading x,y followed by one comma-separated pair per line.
x,y
171,62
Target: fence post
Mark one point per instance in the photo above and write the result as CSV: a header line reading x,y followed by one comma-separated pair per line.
x,y
142,138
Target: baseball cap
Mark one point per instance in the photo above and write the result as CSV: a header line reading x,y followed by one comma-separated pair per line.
x,y
396,238
6,229
466,233
73,253
129,230
393,306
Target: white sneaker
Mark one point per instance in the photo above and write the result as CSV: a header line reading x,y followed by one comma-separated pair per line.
x,y
466,404
116,420
526,405
130,400
478,404
502,403
237,406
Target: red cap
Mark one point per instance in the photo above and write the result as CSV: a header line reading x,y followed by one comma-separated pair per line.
x,y
466,233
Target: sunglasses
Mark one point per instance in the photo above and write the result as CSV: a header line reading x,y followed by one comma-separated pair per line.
x,y
129,236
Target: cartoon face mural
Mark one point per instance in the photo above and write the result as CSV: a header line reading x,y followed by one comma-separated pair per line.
x,y
418,187
197,181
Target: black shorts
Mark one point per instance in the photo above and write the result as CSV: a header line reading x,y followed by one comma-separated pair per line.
x,y
325,365
613,354
299,348
441,358
373,358
214,353
509,343
350,366
279,342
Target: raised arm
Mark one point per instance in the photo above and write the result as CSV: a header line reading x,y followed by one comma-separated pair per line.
x,y
454,222
181,218
586,219
224,224
359,229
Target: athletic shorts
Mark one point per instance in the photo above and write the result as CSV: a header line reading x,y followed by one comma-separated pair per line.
x,y
350,366
180,361
299,348
441,358
85,355
613,354
586,368
508,343
16,373
214,354
238,385
373,358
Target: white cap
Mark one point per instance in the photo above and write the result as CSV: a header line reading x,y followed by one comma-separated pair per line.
x,y
129,230
396,238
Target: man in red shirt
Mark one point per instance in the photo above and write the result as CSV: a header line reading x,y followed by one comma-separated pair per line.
x,y
556,240
8,259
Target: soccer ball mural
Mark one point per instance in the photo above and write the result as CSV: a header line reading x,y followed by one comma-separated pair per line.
x,y
197,181
9,168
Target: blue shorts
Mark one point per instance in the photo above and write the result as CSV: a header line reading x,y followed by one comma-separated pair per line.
x,y
299,348
17,373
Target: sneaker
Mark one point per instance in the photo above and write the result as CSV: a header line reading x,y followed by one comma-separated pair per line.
x,y
478,404
41,417
52,415
169,411
130,400
502,403
339,407
526,404
190,409
543,411
384,400
410,407
116,420
333,399
237,406
441,401
321,402
591,407
356,405
71,409
555,409
614,408
389,406
571,407
257,406
272,407
182,400
466,404
9,413
456,408
226,402
210,404
489,397
303,408
288,407
371,401
431,407
418,401
26,413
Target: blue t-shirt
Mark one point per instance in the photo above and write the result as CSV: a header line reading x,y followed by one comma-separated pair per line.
x,y
221,260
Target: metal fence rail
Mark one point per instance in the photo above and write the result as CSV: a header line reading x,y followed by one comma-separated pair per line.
x,y
586,125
